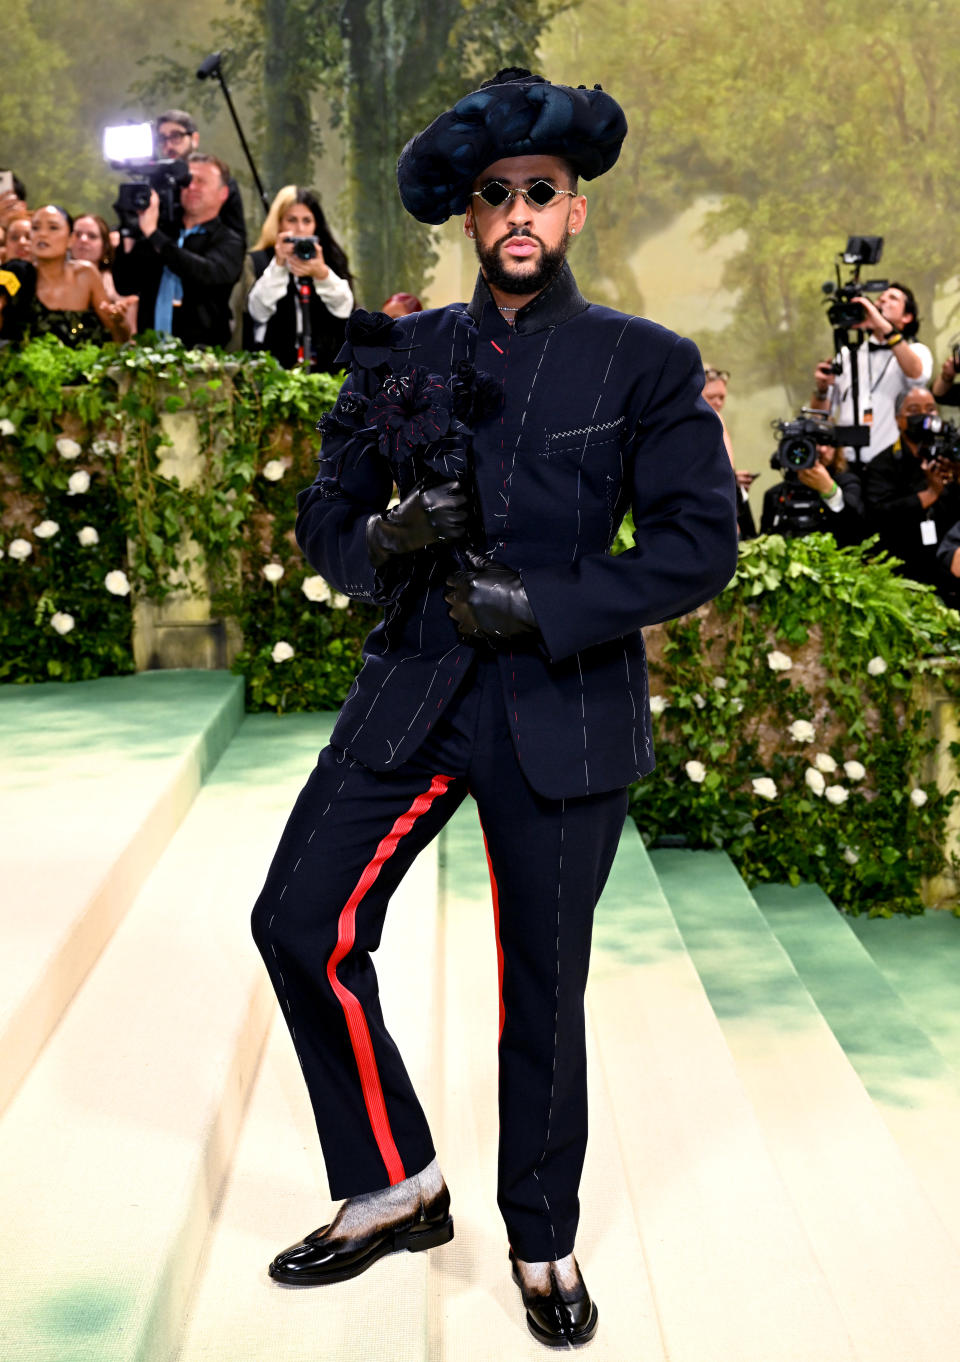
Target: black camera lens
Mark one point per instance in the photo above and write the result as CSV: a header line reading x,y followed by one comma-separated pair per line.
x,y
798,454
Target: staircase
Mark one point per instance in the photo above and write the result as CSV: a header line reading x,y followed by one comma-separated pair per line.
x,y
775,1090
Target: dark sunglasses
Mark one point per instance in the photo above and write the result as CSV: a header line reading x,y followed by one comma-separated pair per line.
x,y
540,194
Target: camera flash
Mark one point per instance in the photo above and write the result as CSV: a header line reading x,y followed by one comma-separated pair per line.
x,y
128,142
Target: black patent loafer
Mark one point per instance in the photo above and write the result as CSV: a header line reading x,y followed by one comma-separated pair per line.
x,y
326,1256
560,1318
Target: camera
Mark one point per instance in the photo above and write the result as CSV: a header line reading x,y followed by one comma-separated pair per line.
x,y
842,312
129,147
797,448
942,438
304,247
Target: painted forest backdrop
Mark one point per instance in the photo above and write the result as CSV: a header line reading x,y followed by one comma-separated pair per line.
x,y
761,134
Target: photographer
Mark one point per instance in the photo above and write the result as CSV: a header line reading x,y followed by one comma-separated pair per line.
x,y
296,247
824,497
184,285
946,387
177,137
890,363
910,491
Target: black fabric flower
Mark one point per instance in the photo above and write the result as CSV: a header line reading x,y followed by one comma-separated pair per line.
x,y
411,411
476,395
349,414
371,336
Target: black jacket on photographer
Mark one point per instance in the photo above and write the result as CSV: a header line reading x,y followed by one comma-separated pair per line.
x,y
280,334
208,264
793,509
891,484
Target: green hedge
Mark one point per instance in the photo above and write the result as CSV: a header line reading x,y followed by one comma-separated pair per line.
x,y
733,766
82,445
812,658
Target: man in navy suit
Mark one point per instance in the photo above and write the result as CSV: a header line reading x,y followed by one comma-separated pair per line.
x,y
518,429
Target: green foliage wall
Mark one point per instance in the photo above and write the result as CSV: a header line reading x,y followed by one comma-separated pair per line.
x,y
90,517
790,728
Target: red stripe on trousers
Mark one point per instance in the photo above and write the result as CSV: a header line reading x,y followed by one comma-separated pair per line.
x,y
495,894
352,1008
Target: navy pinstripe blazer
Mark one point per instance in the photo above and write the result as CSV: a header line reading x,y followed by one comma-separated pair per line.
x,y
600,412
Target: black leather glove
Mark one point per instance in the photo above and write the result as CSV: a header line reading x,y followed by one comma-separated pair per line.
x,y
487,600
427,515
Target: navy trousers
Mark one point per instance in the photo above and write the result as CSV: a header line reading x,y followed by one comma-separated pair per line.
x,y
351,837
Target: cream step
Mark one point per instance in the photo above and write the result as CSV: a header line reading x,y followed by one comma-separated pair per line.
x,y
909,1081
890,1262
116,1145
277,1189
735,1278
479,1314
94,778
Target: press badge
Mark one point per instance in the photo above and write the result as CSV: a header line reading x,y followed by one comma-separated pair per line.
x,y
928,531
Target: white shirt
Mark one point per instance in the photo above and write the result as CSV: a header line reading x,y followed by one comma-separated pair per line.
x,y
881,382
335,294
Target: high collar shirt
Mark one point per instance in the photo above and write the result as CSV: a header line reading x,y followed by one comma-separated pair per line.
x,y
599,412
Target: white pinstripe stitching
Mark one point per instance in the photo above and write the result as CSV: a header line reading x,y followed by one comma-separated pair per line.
x,y
583,716
556,1023
513,464
436,673
633,706
588,430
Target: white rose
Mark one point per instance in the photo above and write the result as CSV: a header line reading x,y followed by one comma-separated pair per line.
x,y
699,701
801,730
918,797
67,448
117,583
282,651
854,770
274,470
836,794
720,683
105,446
779,662
815,780
7,427
764,787
62,622
658,703
19,549
78,482
825,763
876,666
696,771
315,589
47,529
272,571
339,601
850,856
88,536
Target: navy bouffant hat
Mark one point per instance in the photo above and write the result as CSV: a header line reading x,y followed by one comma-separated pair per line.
x,y
515,114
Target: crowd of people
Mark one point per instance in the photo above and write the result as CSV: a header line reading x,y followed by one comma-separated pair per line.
x,y
181,268
902,483
188,272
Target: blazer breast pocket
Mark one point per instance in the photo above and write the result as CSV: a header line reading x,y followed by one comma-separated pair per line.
x,y
593,454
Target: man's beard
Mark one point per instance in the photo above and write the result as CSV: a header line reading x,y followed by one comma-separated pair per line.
x,y
500,276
